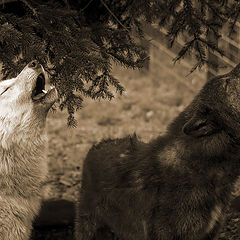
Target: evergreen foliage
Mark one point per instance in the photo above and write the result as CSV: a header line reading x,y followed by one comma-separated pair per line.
x,y
77,40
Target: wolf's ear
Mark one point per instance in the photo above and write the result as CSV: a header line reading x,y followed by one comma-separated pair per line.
x,y
200,124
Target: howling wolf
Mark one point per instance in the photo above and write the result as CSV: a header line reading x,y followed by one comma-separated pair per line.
x,y
24,104
178,186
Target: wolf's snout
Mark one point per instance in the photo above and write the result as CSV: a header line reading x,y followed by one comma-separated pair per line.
x,y
34,64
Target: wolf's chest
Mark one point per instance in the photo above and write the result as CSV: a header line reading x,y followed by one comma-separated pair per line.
x,y
23,169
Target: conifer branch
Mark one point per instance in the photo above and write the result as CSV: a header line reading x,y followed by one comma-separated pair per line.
x,y
216,12
77,42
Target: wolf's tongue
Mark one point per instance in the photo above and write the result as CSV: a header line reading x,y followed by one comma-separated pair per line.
x,y
46,96
40,95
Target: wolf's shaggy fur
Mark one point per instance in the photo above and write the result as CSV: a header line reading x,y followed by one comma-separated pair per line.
x,y
178,186
23,162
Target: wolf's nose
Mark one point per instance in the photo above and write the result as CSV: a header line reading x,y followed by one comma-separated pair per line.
x,y
34,64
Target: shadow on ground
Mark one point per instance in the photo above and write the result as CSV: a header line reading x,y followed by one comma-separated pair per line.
x,y
55,221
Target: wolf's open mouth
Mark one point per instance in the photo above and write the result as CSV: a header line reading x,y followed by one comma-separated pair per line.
x,y
39,90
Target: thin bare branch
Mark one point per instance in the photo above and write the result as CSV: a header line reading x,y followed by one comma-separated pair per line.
x,y
86,5
105,5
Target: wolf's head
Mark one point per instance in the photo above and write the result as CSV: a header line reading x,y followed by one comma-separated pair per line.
x,y
216,108
24,104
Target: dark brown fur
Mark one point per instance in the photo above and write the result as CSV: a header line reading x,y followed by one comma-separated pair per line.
x,y
178,186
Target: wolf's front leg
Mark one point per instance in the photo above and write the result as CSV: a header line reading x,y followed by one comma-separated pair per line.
x,y
16,216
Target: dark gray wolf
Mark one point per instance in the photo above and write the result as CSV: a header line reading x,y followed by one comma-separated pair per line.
x,y
178,186
24,104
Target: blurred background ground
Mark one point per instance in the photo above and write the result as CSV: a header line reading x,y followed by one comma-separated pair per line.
x,y
152,99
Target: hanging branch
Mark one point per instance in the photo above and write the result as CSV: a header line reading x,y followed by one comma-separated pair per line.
x,y
77,41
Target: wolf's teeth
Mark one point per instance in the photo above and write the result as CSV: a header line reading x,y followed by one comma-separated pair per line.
x,y
44,91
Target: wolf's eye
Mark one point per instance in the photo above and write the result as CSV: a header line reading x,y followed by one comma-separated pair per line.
x,y
5,90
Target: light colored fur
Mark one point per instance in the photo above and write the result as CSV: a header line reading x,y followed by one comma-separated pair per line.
x,y
216,214
23,155
170,155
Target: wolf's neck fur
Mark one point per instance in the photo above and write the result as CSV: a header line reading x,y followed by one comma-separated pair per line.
x,y
22,129
23,160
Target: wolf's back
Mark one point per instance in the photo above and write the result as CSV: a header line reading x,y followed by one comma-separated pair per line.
x,y
102,166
